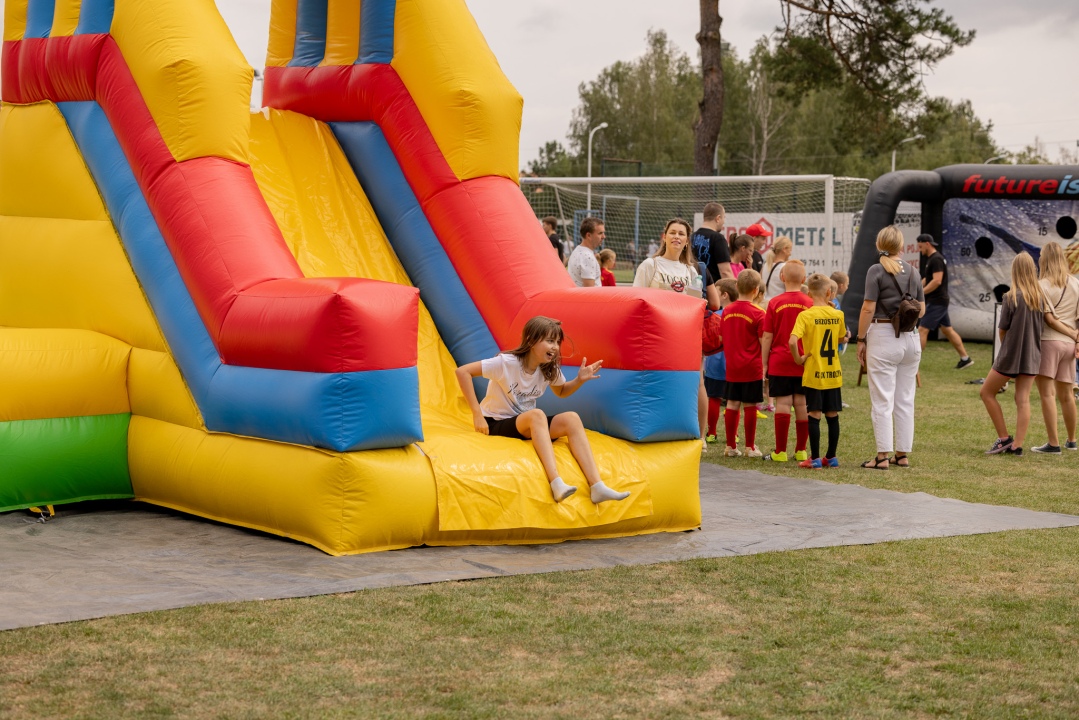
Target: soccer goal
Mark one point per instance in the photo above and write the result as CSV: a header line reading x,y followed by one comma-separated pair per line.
x,y
817,212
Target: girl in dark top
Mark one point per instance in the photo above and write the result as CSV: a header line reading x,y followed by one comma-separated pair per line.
x,y
1019,359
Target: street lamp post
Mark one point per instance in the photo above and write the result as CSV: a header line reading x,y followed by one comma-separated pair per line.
x,y
993,159
903,141
590,134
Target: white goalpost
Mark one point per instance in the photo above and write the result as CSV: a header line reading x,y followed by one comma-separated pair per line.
x,y
818,212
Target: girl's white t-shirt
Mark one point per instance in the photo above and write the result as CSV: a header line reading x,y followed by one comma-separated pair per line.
x,y
664,274
776,286
511,391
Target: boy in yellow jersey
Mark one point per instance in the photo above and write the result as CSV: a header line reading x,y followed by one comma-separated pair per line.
x,y
820,328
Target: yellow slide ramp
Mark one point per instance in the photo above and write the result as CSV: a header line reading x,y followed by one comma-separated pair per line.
x,y
488,489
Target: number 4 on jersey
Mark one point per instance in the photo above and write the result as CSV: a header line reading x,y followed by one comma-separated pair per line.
x,y
827,349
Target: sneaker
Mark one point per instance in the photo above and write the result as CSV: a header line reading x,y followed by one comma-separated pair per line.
x,y
752,452
1015,451
1047,449
964,363
777,456
761,415
801,456
704,445
711,438
1000,446
732,452
814,464
831,462
1071,445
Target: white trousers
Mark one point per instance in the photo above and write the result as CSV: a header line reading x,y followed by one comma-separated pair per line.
x,y
892,364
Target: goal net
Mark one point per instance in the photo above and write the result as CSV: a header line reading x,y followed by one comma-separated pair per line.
x,y
817,212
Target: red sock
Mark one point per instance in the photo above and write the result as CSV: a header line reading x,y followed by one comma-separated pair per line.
x,y
751,427
730,423
713,414
801,434
783,426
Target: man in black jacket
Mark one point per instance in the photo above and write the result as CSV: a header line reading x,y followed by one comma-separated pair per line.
x,y
934,272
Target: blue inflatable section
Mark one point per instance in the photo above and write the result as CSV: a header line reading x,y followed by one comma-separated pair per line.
x,y
637,405
39,15
95,17
339,411
376,31
310,47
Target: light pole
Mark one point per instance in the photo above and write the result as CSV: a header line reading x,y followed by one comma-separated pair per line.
x,y
903,141
994,159
590,134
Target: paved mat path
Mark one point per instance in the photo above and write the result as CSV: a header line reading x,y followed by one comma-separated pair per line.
x,y
132,557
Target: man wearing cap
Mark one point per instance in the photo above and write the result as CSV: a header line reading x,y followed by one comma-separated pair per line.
x,y
760,235
934,271
709,245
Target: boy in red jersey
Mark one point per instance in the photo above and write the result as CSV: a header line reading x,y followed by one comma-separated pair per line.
x,y
783,373
743,325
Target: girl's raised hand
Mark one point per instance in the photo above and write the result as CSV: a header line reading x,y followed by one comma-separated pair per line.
x,y
589,372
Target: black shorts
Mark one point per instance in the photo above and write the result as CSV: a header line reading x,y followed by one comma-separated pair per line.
x,y
508,427
746,392
784,385
715,388
935,316
826,401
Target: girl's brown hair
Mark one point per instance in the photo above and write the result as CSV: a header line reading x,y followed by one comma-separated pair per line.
x,y
890,241
686,256
1053,266
1025,281
537,329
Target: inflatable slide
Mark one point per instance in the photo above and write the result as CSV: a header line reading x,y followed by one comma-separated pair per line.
x,y
255,318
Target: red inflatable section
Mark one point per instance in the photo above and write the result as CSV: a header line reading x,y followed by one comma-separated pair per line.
x,y
249,291
490,233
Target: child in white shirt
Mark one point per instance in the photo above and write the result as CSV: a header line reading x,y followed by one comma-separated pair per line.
x,y
517,380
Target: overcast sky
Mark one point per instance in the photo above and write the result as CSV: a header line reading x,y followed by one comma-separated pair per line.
x,y
1016,72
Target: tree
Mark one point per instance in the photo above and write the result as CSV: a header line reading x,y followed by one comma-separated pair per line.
x,y
884,47
647,104
871,53
710,118
553,160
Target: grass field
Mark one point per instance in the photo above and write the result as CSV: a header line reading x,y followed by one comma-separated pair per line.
x,y
983,626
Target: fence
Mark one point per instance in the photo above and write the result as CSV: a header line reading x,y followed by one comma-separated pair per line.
x,y
818,212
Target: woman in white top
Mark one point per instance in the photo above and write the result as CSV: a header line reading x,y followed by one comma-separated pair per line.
x,y
775,259
673,268
1057,372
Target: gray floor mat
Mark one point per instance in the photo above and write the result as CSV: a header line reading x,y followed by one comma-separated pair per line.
x,y
131,557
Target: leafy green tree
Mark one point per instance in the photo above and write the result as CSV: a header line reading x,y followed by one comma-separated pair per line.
x,y
649,105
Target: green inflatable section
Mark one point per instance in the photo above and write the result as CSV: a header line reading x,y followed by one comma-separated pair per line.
x,y
63,460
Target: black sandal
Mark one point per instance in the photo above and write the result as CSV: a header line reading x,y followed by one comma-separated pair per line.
x,y
876,464
900,461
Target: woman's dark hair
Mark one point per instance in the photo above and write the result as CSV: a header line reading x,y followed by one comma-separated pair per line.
x,y
537,329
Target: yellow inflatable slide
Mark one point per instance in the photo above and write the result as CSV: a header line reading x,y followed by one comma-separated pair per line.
x,y
256,318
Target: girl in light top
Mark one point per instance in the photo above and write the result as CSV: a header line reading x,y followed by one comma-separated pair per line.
x,y
517,379
673,267
1057,372
775,259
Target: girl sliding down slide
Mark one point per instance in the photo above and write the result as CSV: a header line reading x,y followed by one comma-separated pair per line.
x,y
517,380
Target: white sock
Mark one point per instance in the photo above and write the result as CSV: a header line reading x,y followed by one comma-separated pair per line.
x,y
602,493
560,490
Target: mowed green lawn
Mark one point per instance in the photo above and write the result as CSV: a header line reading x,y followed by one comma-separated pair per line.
x,y
984,626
